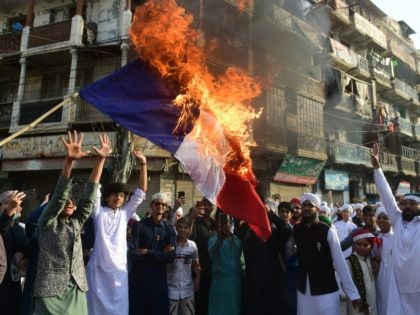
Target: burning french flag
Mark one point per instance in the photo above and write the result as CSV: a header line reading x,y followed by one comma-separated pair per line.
x,y
172,99
138,99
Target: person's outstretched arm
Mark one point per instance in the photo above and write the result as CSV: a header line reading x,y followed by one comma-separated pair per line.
x,y
384,190
86,203
73,146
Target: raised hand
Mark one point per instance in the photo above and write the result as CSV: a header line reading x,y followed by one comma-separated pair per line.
x,y
14,202
73,146
105,148
374,156
140,156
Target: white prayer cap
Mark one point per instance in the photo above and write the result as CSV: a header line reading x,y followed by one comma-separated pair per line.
x,y
380,210
412,197
358,206
314,199
160,195
326,209
179,211
324,203
364,203
347,208
5,195
271,204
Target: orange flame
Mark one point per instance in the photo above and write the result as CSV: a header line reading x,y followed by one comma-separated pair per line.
x,y
162,35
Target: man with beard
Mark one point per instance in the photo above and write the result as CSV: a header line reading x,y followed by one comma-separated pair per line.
x,y
406,245
319,255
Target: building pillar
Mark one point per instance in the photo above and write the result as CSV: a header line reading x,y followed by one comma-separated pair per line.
x,y
19,98
124,53
30,13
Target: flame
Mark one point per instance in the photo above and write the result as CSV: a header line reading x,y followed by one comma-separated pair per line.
x,y
162,35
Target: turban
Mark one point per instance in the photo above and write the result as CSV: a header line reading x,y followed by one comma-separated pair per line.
x,y
362,234
325,208
160,195
179,211
312,198
380,210
347,208
414,197
358,206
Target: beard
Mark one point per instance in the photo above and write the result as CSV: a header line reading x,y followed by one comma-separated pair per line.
x,y
408,215
309,219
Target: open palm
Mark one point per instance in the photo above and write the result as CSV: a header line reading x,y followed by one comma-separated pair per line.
x,y
73,146
105,148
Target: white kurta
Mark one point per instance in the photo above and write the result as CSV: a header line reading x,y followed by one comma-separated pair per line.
x,y
386,271
107,267
343,230
369,281
328,303
406,253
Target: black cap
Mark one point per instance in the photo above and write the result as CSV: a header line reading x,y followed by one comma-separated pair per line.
x,y
115,188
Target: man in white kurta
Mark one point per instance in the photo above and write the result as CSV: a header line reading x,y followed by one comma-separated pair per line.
x,y
383,249
329,303
107,267
345,226
406,245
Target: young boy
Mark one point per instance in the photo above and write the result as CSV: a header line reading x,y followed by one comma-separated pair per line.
x,y
181,285
362,273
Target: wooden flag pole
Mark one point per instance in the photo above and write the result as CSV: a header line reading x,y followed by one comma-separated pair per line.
x,y
38,120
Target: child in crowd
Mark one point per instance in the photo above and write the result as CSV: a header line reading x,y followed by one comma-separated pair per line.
x,y
360,266
181,285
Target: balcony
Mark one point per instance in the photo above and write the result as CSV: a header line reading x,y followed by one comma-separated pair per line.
x,y
310,87
402,93
50,34
270,20
382,74
375,37
311,146
340,15
349,153
228,52
86,113
388,162
405,127
9,43
407,162
401,50
416,128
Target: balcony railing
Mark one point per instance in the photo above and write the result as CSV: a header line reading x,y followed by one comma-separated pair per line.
x,y
86,113
407,166
409,91
405,127
311,146
382,74
389,162
49,34
310,87
9,43
410,153
367,28
417,131
350,153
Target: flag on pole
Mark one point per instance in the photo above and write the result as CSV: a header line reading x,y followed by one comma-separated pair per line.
x,y
138,99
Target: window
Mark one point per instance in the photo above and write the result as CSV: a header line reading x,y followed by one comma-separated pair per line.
x,y
310,116
275,106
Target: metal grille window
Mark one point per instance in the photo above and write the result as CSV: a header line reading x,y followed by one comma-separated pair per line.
x,y
275,106
310,115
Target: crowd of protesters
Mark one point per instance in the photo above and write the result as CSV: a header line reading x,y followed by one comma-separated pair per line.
x,y
96,256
